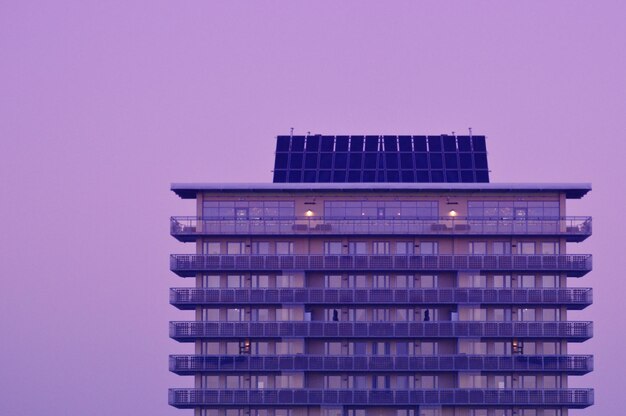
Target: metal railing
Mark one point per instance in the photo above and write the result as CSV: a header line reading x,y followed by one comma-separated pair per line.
x,y
190,264
187,398
188,331
191,364
188,298
576,228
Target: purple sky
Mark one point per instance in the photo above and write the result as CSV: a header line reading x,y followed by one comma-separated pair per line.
x,y
103,104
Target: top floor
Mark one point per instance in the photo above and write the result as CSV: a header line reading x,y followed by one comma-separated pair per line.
x,y
381,208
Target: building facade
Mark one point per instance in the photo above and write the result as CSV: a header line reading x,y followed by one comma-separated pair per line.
x,y
359,298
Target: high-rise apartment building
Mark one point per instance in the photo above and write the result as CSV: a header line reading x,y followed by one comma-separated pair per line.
x,y
381,275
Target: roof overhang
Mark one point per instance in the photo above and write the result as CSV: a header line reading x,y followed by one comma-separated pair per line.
x,y
571,190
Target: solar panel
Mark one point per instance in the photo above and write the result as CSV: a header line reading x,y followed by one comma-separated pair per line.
x,y
408,159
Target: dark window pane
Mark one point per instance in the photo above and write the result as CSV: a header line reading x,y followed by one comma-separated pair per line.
x,y
451,161
341,160
464,143
405,143
370,160
309,176
371,143
297,144
391,160
480,160
436,160
419,143
326,160
281,161
422,176
295,176
313,143
452,175
408,176
467,176
380,176
324,176
282,143
391,143
449,143
406,160
310,160
339,176
369,176
356,143
354,176
436,175
434,143
341,143
466,160
478,143
482,176
421,160
356,160
393,176
328,143
296,161
280,176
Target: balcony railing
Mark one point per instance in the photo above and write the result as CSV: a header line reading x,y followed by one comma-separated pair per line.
x,y
189,398
573,228
189,298
191,364
189,331
190,264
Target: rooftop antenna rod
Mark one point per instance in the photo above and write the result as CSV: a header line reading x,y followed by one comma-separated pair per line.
x,y
470,130
292,132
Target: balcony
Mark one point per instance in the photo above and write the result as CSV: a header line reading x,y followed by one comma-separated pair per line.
x,y
187,265
193,364
189,398
190,331
574,229
190,298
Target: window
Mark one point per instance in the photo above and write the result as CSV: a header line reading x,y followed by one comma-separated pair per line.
x,y
403,281
210,281
381,281
549,248
527,281
332,281
284,247
501,281
549,281
380,247
211,247
429,248
261,247
235,281
519,210
527,248
358,281
501,248
427,281
404,248
478,247
381,209
472,381
332,247
248,209
260,281
526,314
472,280
357,247
236,247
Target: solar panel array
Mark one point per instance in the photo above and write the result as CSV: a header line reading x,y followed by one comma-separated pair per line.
x,y
381,159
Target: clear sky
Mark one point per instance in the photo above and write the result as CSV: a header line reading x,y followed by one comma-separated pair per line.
x,y
104,103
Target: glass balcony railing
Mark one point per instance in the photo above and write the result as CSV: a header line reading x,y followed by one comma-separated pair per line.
x,y
187,265
189,298
190,331
192,364
573,228
189,398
